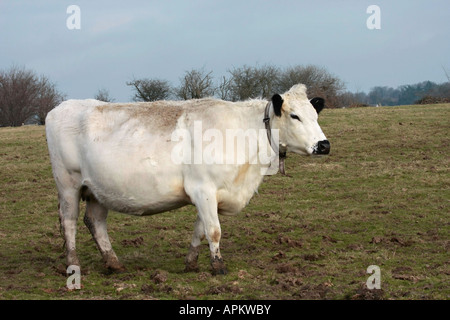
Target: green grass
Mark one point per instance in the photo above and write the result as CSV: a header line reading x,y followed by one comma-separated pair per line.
x,y
380,198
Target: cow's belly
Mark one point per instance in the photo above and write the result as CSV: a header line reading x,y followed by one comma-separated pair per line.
x,y
143,198
134,184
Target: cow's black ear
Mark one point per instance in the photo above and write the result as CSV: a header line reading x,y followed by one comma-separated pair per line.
x,y
318,104
277,102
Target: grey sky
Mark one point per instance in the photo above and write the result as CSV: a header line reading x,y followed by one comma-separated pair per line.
x,y
162,39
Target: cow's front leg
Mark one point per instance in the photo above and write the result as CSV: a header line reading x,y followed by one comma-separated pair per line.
x,y
194,249
213,234
206,203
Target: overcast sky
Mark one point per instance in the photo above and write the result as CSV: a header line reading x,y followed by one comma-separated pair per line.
x,y
119,41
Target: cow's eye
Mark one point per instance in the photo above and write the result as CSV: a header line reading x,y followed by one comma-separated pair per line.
x,y
294,116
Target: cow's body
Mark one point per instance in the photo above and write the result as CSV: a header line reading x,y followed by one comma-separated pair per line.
x,y
120,157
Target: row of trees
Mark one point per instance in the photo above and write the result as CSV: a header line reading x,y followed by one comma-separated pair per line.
x,y
25,95
422,92
261,82
242,83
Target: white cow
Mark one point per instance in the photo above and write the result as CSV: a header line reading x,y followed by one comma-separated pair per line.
x,y
131,158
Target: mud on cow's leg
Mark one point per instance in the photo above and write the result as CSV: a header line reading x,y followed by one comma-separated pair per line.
x,y
95,221
191,259
217,264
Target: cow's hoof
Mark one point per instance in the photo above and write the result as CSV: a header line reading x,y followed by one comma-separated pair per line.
x,y
191,259
115,267
218,267
72,259
221,271
191,267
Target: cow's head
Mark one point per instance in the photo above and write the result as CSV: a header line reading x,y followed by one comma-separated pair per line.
x,y
296,118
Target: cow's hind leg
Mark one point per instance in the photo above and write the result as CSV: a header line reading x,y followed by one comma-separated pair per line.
x,y
68,209
95,220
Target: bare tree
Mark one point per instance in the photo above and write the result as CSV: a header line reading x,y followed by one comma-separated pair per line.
x,y
224,88
16,88
446,73
23,94
244,83
318,81
268,78
103,95
47,98
253,82
196,84
150,89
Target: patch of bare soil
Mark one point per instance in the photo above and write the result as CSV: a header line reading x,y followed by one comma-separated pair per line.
x,y
391,240
292,243
232,287
364,293
314,292
139,241
159,276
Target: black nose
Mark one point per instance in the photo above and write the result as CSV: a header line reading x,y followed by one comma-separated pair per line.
x,y
323,147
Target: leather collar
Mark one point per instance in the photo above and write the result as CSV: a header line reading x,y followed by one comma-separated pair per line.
x,y
281,148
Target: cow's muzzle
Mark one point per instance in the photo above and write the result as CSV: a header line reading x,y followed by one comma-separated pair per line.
x,y
322,147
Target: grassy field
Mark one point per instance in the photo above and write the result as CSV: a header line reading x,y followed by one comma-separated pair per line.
x,y
380,198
